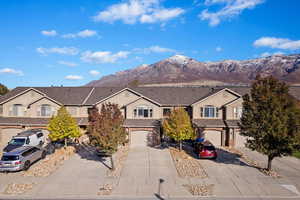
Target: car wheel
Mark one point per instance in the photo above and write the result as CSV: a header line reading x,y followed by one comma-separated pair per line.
x,y
26,165
43,155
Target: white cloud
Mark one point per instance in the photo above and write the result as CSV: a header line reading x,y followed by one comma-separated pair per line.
x,y
218,49
11,71
133,11
161,15
277,43
70,64
154,49
267,54
231,9
82,34
94,72
73,77
103,56
58,50
50,33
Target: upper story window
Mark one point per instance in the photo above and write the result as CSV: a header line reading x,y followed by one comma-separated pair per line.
x,y
17,110
166,112
209,111
143,112
46,110
237,112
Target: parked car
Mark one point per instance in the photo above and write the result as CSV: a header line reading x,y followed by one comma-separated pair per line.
x,y
205,150
33,137
21,158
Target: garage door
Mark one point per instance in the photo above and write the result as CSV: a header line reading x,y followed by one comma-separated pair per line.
x,y
214,137
139,138
6,135
240,140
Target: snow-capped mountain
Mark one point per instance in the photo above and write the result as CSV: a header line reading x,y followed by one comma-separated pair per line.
x,y
182,69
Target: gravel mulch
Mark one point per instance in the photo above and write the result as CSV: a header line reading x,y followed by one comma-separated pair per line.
x,y
200,189
253,163
14,188
186,165
105,189
119,159
51,163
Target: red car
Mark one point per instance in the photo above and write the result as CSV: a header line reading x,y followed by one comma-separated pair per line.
x,y
205,150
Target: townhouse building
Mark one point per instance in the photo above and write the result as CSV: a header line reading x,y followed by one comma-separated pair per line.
x,y
214,111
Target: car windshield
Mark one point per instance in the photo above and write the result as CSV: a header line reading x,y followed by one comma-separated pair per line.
x,y
17,141
9,158
209,148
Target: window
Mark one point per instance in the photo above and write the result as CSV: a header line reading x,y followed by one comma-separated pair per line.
x,y
143,112
166,112
209,112
46,110
17,110
40,135
1,109
237,112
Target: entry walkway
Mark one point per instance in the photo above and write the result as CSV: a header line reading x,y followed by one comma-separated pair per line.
x,y
142,171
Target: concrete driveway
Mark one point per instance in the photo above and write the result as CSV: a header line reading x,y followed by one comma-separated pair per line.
x,y
142,171
234,178
80,176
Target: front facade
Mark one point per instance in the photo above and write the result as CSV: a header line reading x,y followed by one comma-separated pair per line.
x,y
215,112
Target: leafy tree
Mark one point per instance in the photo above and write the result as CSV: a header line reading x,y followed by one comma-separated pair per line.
x,y
106,128
270,119
3,89
63,126
178,126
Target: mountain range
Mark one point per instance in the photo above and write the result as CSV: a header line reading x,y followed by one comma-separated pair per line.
x,y
183,70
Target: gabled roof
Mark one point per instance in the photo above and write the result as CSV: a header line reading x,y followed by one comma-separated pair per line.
x,y
66,95
164,96
101,93
216,91
14,93
44,97
63,95
173,96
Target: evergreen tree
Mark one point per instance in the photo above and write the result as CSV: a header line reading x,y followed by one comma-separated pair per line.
x,y
178,126
63,126
270,119
3,89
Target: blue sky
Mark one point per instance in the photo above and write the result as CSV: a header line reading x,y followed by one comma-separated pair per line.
x,y
64,42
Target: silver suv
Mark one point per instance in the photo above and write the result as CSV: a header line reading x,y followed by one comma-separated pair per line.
x,y
21,158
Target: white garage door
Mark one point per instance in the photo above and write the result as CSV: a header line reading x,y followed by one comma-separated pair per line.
x,y
6,135
240,140
214,137
139,138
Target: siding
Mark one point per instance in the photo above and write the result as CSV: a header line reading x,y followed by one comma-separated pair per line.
x,y
24,99
230,107
217,100
157,112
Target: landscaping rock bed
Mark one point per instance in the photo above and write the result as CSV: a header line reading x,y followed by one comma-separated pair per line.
x,y
200,189
119,159
106,189
14,188
51,163
186,165
253,163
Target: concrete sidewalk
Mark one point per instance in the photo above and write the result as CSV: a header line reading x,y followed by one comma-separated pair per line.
x,y
287,167
143,169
